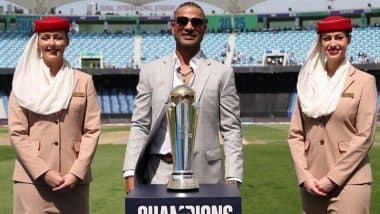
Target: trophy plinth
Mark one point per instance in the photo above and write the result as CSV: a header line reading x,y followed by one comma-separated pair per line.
x,y
182,118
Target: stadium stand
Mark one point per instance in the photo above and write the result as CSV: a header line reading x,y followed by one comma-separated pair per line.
x,y
118,51
155,45
12,44
118,48
116,100
214,45
239,40
253,45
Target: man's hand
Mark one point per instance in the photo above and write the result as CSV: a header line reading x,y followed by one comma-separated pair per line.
x,y
69,181
53,178
325,185
310,186
129,184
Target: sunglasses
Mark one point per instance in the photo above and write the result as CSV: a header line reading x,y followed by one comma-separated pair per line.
x,y
195,22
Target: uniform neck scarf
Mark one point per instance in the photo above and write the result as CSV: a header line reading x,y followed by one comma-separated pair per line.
x,y
318,93
33,86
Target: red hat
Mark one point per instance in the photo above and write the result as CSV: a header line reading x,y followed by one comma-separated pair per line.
x,y
334,23
51,23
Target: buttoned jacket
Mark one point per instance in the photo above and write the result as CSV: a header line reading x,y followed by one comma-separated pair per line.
x,y
64,141
337,145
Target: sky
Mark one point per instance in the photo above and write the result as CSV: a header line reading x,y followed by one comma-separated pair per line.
x,y
166,7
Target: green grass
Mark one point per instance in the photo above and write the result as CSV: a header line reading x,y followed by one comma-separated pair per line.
x,y
7,157
3,131
114,128
269,180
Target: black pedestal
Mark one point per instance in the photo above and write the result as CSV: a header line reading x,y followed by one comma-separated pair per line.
x,y
209,199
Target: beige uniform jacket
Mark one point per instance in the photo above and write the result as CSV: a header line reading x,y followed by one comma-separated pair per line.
x,y
337,145
65,141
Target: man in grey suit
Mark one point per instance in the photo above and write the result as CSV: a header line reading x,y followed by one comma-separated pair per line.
x,y
148,154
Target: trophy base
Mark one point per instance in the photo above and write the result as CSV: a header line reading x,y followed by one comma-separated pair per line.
x,y
181,182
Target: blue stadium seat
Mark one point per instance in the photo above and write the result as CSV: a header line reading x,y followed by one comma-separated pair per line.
x,y
105,101
122,97
292,104
131,94
4,101
100,102
115,107
116,101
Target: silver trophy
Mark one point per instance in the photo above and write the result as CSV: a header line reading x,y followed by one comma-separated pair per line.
x,y
182,119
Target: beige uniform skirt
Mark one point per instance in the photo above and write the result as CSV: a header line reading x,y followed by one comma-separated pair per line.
x,y
36,199
350,199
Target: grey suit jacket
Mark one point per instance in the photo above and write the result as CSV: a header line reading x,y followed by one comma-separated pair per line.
x,y
219,111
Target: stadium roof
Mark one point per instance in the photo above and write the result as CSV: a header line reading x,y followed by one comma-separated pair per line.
x,y
42,6
232,6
